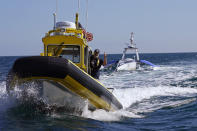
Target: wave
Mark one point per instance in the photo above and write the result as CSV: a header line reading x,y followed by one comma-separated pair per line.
x,y
130,96
139,100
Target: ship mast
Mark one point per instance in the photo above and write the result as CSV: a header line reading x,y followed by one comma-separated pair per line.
x,y
55,15
132,40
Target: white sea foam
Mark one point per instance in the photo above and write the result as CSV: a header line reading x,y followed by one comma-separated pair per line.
x,y
102,115
5,101
150,106
3,93
130,96
8,100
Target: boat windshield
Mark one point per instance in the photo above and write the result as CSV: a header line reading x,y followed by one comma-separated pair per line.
x,y
71,52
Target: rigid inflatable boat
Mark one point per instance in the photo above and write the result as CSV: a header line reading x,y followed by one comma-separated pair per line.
x,y
63,69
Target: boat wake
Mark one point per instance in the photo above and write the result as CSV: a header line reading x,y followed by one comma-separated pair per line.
x,y
130,96
142,100
102,115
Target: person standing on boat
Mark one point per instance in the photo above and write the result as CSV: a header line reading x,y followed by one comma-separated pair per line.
x,y
96,63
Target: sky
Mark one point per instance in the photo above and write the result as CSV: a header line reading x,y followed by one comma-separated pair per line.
x,y
159,26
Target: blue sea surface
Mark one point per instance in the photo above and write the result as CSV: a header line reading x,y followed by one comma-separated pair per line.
x,y
153,98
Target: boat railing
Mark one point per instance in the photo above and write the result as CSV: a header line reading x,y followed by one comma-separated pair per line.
x,y
67,32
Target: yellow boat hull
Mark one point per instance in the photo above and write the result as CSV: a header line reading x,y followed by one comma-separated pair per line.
x,y
69,78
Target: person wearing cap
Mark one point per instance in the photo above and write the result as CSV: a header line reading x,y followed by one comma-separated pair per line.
x,y
96,63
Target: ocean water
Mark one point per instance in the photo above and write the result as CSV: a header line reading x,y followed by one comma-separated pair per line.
x,y
159,98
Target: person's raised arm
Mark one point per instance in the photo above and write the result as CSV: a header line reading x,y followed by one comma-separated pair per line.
x,y
105,59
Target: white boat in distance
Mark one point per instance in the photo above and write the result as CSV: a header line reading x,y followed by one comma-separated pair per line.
x,y
129,63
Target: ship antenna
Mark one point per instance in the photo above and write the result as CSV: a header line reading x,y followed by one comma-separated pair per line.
x,y
86,14
56,7
55,15
78,5
77,16
132,40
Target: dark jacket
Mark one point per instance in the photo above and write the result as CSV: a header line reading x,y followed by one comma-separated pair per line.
x,y
95,65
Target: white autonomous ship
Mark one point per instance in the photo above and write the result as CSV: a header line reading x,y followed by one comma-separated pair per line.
x,y
129,63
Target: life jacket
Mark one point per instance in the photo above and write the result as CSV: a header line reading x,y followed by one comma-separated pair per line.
x,y
98,62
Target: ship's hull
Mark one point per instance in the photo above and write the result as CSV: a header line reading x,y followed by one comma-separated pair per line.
x,y
127,64
63,82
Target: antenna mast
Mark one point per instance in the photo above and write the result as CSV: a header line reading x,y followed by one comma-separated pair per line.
x,y
86,14
78,5
56,7
55,15
132,40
